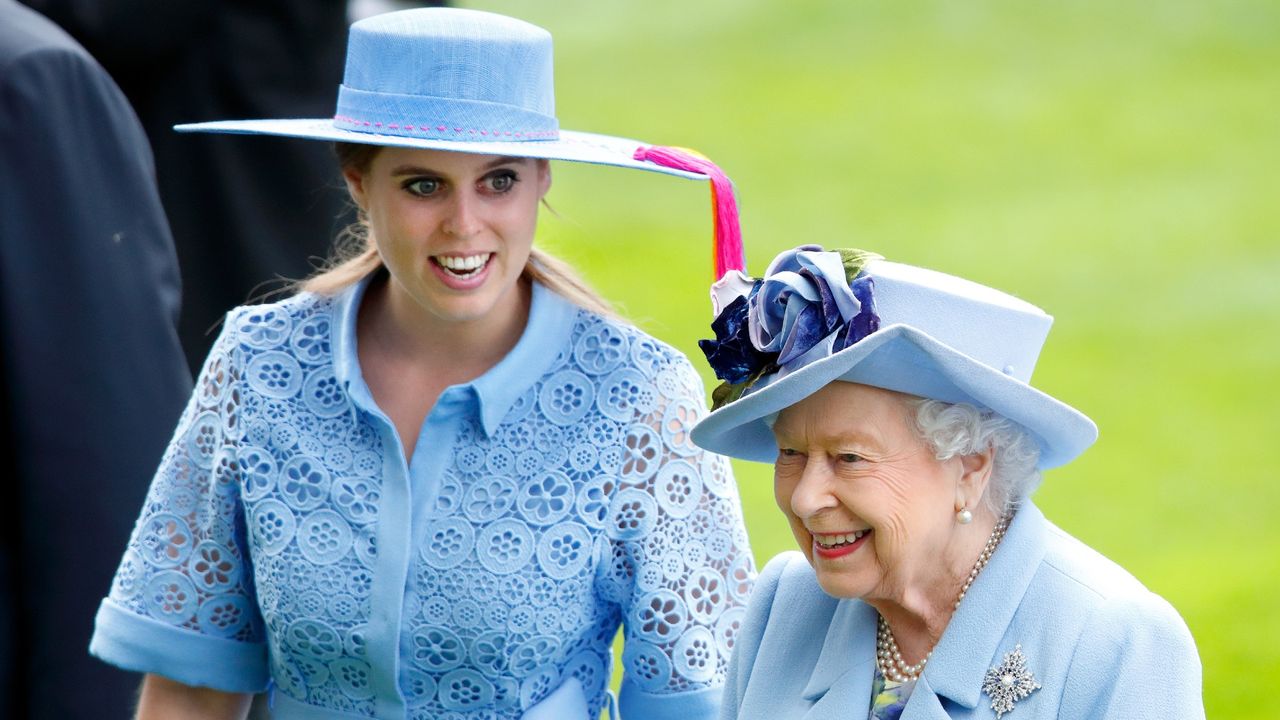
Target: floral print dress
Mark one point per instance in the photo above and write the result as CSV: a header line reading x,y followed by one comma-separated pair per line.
x,y
889,698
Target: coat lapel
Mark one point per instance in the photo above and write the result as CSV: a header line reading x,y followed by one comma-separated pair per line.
x,y
925,704
840,683
973,636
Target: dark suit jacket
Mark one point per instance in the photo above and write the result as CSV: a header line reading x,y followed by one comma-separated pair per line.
x,y
93,378
244,211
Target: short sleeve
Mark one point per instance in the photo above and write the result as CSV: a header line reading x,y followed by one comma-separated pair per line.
x,y
1136,659
182,602
676,531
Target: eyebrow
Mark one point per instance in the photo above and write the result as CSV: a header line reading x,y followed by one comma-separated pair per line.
x,y
420,170
856,438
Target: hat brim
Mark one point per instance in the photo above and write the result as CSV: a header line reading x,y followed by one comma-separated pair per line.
x,y
904,359
571,145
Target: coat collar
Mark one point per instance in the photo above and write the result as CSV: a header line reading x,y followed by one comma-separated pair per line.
x,y
842,676
974,634
550,325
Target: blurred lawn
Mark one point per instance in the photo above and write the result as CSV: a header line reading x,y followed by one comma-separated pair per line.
x,y
1110,161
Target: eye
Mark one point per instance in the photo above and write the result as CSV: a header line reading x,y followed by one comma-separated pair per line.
x,y
501,182
849,457
788,452
422,186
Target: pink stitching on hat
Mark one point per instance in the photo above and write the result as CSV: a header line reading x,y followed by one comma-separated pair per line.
x,y
445,128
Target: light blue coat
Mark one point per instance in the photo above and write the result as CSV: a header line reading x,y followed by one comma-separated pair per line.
x,y
1099,643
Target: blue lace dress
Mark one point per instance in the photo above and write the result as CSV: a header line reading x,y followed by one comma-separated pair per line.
x,y
285,541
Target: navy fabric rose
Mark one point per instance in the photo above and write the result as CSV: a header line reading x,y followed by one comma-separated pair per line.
x,y
731,354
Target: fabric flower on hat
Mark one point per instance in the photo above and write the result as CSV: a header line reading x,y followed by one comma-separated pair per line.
x,y
809,304
806,295
731,354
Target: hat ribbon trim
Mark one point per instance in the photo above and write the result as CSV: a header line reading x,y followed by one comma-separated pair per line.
x,y
452,119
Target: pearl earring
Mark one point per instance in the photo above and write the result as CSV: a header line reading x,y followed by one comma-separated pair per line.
x,y
963,516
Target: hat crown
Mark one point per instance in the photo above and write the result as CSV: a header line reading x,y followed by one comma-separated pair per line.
x,y
464,75
997,329
453,53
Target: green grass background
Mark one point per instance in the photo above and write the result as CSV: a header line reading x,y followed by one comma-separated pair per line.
x,y
1114,162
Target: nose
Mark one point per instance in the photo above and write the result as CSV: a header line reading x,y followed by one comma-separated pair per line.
x,y
462,219
812,492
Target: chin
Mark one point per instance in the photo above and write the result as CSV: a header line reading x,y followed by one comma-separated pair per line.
x,y
838,586
465,312
466,307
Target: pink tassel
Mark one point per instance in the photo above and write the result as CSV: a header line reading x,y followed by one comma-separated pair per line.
x,y
728,253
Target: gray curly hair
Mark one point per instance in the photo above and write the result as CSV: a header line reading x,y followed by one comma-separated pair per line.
x,y
955,430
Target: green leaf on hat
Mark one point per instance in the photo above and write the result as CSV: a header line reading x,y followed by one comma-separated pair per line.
x,y
855,260
726,393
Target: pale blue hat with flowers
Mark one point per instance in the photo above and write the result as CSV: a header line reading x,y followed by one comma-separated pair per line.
x,y
820,316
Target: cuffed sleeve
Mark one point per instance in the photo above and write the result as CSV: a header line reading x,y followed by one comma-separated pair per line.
x,y
636,703
141,644
182,603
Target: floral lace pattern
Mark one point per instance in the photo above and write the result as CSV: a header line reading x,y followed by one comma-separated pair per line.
x,y
587,508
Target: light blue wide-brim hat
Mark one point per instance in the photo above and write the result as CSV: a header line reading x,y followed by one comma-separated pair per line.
x,y
451,79
937,336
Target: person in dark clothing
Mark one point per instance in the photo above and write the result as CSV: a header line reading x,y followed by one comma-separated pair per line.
x,y
93,377
245,212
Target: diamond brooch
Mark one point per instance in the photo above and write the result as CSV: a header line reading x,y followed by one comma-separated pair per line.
x,y
1009,682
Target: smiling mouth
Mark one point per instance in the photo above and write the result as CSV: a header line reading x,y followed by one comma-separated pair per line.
x,y
834,542
463,267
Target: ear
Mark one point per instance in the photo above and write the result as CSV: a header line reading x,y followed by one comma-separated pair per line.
x,y
355,186
975,475
544,177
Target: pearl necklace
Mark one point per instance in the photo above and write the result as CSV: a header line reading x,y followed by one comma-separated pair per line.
x,y
889,658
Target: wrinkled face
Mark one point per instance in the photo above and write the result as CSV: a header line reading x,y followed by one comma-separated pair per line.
x,y
453,229
869,504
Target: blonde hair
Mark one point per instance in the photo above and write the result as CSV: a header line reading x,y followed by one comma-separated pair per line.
x,y
356,255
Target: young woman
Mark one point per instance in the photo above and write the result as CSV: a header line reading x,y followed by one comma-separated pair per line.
x,y
435,483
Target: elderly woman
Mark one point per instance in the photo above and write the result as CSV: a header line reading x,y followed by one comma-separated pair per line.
x,y
895,404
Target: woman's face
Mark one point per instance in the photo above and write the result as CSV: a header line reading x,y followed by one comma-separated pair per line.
x,y
453,229
867,501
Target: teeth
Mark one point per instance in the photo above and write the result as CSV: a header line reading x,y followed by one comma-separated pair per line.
x,y
463,266
830,541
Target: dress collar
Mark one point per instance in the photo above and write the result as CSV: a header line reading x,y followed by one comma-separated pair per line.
x,y
959,662
548,330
